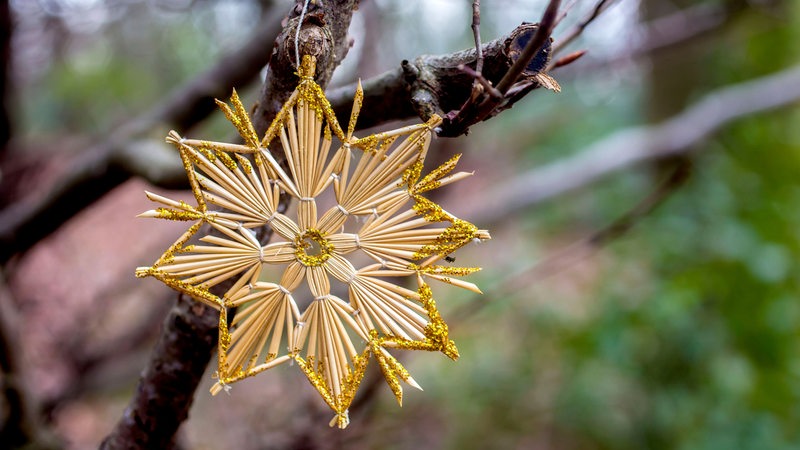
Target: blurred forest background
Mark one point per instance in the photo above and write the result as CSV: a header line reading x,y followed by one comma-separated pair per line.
x,y
649,302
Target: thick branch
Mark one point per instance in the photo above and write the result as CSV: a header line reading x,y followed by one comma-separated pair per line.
x,y
97,171
324,35
678,135
436,84
166,389
20,427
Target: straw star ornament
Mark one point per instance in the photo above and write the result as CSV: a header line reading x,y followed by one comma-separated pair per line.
x,y
378,235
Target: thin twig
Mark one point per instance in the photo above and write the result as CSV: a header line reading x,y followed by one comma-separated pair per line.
x,y
434,79
480,84
478,108
577,30
476,32
569,59
486,84
679,135
565,10
522,278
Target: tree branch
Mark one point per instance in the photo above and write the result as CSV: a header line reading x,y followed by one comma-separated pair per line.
x,y
166,389
429,84
20,428
577,30
521,277
481,107
99,169
436,83
476,32
679,135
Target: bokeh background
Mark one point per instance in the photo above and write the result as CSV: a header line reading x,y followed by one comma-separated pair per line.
x,y
655,307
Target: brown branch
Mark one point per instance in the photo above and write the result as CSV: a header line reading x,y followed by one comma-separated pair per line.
x,y
99,169
677,136
481,107
431,84
20,427
577,30
521,278
166,389
436,83
476,32
668,32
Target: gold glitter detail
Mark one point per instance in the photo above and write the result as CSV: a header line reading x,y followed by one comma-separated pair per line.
x,y
445,270
302,245
332,340
368,144
205,149
240,119
172,214
390,367
411,175
247,168
436,332
457,235
186,158
358,101
226,160
431,181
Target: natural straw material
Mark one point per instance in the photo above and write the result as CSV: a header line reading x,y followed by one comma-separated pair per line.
x,y
378,190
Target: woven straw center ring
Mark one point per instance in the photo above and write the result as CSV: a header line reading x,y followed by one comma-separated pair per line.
x,y
312,249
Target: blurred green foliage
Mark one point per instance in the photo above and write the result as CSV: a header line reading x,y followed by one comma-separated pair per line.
x,y
689,337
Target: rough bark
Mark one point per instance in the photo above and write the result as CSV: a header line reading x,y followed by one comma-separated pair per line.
x,y
166,389
436,83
